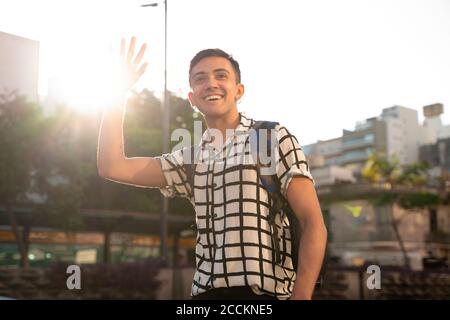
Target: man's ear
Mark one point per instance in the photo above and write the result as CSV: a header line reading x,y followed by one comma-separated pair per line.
x,y
191,98
240,91
192,102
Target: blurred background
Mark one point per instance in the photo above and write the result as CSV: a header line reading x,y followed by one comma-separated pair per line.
x,y
364,86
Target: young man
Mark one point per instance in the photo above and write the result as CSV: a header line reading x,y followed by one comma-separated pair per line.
x,y
235,255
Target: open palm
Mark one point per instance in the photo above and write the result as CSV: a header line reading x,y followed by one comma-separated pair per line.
x,y
131,67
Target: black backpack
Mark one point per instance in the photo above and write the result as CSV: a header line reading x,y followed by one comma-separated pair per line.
x,y
272,185
279,203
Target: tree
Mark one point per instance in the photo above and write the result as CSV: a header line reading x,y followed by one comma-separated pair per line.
x,y
405,187
48,163
21,124
59,170
39,169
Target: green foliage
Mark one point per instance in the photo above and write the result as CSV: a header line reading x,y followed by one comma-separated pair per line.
x,y
382,170
403,183
418,200
37,158
384,199
414,174
60,171
20,126
54,157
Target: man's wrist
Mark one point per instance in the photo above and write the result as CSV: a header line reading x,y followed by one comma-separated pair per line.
x,y
300,296
301,292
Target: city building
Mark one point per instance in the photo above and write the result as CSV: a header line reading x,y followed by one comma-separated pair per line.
x,y
359,230
357,145
19,65
433,127
396,132
404,134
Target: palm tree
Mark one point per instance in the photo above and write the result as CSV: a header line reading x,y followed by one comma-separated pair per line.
x,y
404,185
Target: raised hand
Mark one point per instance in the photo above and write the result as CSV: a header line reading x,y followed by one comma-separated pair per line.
x,y
131,66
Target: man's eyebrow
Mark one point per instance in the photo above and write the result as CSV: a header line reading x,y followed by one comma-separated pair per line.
x,y
198,73
221,69
215,70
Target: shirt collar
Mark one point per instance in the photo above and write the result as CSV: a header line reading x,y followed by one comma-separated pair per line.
x,y
245,123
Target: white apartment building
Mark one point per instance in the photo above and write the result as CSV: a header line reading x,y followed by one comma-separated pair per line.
x,y
395,132
404,135
19,65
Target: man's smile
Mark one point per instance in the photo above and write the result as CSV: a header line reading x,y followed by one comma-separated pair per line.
x,y
213,97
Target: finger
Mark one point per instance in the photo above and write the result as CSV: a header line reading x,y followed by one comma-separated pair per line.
x,y
131,49
141,70
122,47
138,58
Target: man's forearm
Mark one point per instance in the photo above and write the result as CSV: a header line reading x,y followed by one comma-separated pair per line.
x,y
311,254
110,141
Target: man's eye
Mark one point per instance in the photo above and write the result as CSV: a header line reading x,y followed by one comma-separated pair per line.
x,y
199,79
222,75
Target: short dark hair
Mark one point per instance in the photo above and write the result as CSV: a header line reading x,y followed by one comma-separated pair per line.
x,y
215,53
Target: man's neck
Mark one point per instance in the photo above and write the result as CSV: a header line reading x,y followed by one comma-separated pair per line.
x,y
224,122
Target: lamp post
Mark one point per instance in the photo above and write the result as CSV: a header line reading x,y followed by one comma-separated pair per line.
x,y
165,136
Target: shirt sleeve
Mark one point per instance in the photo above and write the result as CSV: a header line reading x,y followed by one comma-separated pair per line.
x,y
172,165
291,161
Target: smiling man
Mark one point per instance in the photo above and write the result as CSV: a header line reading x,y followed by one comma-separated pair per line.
x,y
216,86
245,246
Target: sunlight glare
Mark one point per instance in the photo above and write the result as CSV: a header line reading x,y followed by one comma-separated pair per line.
x,y
91,83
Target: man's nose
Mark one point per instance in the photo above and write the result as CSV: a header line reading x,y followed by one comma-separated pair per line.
x,y
212,82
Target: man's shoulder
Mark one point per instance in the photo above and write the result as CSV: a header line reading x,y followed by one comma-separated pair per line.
x,y
271,125
281,130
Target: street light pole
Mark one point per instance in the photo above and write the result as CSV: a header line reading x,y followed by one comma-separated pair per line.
x,y
165,138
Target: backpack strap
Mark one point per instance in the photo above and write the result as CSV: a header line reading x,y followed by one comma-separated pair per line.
x,y
271,184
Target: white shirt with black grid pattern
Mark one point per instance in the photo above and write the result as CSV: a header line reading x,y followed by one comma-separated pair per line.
x,y
234,243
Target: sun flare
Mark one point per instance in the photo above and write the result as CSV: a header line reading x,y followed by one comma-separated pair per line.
x,y
90,84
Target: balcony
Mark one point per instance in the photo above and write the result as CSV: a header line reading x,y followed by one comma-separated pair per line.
x,y
358,142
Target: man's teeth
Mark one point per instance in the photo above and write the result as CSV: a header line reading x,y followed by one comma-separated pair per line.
x,y
209,98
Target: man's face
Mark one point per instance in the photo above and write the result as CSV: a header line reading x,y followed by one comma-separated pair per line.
x,y
214,90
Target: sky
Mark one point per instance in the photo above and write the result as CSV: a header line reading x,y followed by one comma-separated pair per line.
x,y
317,67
